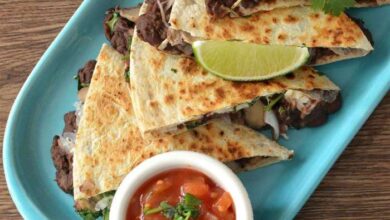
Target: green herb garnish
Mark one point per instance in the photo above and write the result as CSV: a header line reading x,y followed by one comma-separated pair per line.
x,y
174,70
112,22
83,85
186,209
272,102
193,124
127,75
106,214
333,7
76,77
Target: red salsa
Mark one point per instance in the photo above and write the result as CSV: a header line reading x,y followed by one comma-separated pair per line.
x,y
180,194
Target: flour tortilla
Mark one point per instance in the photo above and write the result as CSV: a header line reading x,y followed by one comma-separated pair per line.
x,y
275,4
294,26
168,91
109,144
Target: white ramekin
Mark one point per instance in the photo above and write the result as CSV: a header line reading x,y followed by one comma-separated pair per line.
x,y
215,170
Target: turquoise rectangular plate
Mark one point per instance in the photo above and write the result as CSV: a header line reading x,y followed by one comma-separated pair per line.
x,y
277,192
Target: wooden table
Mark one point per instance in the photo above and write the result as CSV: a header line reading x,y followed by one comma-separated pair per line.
x,y
358,186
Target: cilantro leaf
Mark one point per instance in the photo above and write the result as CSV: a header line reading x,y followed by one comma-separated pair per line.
x,y
185,210
333,7
272,102
112,22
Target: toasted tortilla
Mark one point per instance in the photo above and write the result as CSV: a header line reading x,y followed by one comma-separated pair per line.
x,y
109,144
168,90
294,26
271,5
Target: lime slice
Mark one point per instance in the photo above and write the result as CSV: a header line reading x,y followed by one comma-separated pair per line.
x,y
240,61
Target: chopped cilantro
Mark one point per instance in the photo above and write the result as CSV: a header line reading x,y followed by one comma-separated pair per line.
x,y
272,102
106,214
186,209
174,70
112,22
83,85
127,75
333,7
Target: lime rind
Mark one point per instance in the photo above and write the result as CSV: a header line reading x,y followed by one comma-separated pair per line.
x,y
240,61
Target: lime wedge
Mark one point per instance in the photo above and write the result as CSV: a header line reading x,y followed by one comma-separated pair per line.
x,y
241,61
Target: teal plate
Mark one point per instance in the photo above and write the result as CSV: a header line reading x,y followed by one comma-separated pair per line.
x,y
277,192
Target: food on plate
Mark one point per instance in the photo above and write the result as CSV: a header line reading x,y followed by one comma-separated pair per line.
x,y
119,27
234,8
109,144
239,61
176,24
172,94
62,145
179,193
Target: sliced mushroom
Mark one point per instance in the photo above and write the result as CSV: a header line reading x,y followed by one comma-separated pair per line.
x,y
254,115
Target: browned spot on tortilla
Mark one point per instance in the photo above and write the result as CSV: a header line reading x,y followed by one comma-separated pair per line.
x,y
182,91
290,19
169,99
153,104
221,133
209,127
280,85
188,66
315,16
174,21
226,34
268,30
156,63
247,27
208,29
275,20
312,76
220,93
282,37
266,40
189,109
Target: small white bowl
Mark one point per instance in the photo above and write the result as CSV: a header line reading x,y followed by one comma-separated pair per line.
x,y
215,170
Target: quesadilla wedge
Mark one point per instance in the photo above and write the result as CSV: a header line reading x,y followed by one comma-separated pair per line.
x,y
109,143
172,94
175,25
234,8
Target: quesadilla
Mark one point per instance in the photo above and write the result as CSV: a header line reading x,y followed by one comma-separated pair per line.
x,y
109,143
234,8
172,26
172,94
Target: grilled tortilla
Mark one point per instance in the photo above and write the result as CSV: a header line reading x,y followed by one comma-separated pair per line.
x,y
169,92
109,143
220,8
176,24
331,38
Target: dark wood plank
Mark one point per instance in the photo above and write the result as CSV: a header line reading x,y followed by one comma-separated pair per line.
x,y
357,187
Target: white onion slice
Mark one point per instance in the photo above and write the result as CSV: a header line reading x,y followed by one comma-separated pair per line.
x,y
103,203
270,118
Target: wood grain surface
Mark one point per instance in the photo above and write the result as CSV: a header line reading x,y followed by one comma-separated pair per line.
x,y
357,187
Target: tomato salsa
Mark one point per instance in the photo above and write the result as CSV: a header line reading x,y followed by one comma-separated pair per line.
x,y
180,194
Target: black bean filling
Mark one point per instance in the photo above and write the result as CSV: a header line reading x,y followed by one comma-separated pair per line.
x,y
121,33
151,29
62,159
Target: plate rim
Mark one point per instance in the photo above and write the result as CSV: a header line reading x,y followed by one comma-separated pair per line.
x,y
24,205
29,210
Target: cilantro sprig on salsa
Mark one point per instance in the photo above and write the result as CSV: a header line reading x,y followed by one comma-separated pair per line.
x,y
186,209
